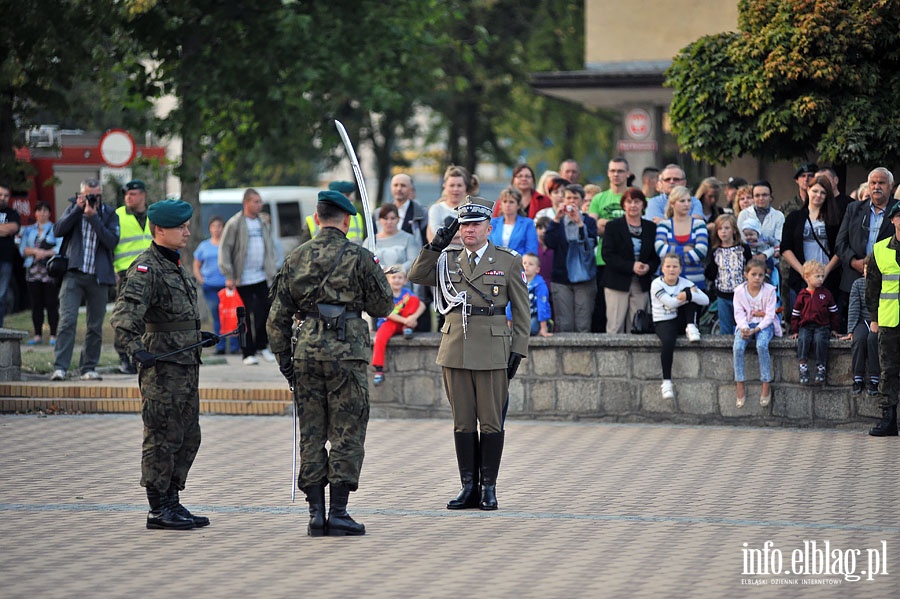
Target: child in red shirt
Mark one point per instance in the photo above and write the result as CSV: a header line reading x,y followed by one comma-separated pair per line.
x,y
813,320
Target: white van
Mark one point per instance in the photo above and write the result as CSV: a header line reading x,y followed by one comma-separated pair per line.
x,y
288,206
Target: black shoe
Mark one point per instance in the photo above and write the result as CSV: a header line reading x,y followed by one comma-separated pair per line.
x,y
315,496
162,515
126,367
887,426
491,452
857,388
872,391
199,521
340,524
467,461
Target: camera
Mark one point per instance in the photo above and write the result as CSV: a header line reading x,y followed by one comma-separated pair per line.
x,y
92,199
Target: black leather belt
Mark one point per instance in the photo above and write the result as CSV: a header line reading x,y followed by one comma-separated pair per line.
x,y
171,327
482,310
315,314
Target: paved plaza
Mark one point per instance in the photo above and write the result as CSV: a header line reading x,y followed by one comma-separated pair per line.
x,y
586,510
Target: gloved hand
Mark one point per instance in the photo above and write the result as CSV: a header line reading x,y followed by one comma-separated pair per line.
x,y
443,237
209,338
513,364
144,358
286,366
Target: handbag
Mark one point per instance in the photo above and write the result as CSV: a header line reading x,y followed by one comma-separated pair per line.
x,y
581,264
229,301
58,265
642,323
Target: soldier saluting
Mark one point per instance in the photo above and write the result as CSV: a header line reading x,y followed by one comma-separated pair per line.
x,y
478,352
156,313
326,283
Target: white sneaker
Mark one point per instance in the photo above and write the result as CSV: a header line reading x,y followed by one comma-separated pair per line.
x,y
58,375
250,361
667,389
267,355
692,332
91,375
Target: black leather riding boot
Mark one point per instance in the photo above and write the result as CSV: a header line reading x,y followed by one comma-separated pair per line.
x,y
315,496
887,426
162,515
199,521
467,456
339,521
491,452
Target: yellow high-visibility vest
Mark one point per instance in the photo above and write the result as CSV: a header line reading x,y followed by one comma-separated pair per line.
x,y
889,302
356,231
132,239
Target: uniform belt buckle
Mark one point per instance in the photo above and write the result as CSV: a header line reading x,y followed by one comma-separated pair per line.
x,y
467,309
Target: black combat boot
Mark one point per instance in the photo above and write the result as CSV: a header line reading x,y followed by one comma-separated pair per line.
x,y
199,521
162,515
340,524
467,460
491,452
887,426
315,496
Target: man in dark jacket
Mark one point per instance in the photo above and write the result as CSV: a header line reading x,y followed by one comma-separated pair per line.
x,y
91,232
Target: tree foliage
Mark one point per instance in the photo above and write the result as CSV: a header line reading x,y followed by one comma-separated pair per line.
x,y
799,77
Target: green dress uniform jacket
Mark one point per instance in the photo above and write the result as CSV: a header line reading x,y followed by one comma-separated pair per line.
x,y
157,292
488,340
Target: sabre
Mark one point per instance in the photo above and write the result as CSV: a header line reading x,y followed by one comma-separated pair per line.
x,y
295,330
360,182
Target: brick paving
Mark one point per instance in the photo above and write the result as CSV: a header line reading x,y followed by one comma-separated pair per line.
x,y
586,510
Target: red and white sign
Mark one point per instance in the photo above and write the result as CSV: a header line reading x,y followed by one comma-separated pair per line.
x,y
638,124
117,148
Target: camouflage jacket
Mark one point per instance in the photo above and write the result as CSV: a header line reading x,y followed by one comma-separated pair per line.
x,y
357,283
157,291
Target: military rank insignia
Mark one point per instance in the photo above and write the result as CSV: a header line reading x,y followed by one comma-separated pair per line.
x,y
494,273
142,268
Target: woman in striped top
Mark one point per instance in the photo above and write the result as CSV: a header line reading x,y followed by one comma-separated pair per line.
x,y
684,235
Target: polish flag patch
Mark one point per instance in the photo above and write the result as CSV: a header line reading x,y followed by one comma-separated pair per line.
x,y
143,268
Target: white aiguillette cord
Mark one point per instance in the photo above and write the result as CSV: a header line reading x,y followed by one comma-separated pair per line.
x,y
448,297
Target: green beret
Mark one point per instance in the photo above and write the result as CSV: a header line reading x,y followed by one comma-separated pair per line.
x,y
169,214
338,200
135,184
895,209
344,187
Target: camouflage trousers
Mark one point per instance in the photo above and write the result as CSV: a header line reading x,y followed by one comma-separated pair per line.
x,y
171,414
332,401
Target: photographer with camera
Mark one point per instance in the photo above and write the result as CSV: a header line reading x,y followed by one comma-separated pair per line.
x,y
91,232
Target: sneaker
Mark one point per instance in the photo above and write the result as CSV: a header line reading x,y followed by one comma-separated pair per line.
x,y
52,340
820,376
378,378
58,375
804,375
857,388
33,341
91,375
692,332
667,389
407,333
250,361
872,391
267,355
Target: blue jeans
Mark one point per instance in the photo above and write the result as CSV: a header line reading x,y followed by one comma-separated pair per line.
x,y
762,338
211,294
815,338
75,287
5,277
725,309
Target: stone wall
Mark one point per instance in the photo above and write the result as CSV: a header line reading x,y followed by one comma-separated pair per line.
x,y
10,354
615,378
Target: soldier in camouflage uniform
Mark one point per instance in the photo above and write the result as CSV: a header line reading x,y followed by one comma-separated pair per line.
x,y
326,283
156,312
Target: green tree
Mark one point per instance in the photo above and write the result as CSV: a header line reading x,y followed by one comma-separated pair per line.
x,y
48,47
799,77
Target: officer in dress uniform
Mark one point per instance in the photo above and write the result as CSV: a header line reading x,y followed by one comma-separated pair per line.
x,y
478,352
325,284
156,313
